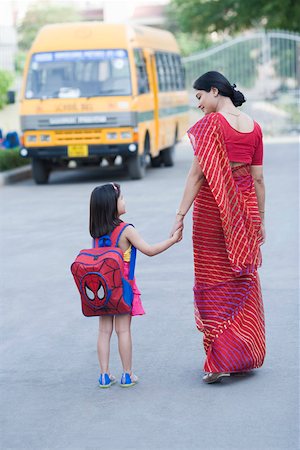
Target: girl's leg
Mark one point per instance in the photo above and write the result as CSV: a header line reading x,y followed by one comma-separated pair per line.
x,y
122,327
103,345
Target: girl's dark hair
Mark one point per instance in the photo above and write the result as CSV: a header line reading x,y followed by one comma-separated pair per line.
x,y
104,209
215,79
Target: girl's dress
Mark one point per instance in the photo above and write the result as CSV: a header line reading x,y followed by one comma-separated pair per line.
x,y
137,307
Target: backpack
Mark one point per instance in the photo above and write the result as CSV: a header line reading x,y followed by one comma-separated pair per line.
x,y
99,276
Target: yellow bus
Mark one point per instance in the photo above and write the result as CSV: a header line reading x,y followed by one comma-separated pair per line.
x,y
95,91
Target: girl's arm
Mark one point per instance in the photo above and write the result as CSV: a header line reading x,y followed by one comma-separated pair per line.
x,y
258,177
150,250
193,183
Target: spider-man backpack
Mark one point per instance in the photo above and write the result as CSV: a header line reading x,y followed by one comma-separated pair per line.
x,y
99,275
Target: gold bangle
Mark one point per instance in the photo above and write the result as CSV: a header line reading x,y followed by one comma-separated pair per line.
x,y
261,211
178,213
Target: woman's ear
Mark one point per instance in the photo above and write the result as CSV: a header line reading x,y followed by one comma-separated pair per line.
x,y
214,91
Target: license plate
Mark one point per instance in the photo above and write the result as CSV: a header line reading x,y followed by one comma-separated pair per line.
x,y
78,151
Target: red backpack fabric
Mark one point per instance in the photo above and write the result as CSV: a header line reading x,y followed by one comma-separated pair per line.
x,y
99,276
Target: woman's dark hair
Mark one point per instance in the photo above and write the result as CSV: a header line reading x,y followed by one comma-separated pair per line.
x,y
215,79
104,209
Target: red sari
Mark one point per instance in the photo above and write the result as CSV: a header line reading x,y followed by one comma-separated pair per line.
x,y
226,241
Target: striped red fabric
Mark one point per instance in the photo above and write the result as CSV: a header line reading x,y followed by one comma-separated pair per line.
x,y
226,240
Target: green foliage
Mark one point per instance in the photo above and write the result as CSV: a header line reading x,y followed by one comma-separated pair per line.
x,y
40,14
192,42
20,59
206,16
6,79
10,159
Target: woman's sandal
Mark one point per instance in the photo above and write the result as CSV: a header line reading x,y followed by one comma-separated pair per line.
x,y
214,377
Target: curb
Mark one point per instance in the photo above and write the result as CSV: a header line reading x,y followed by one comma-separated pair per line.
x,y
14,175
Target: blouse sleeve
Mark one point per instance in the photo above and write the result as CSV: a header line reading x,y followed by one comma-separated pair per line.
x,y
202,134
257,159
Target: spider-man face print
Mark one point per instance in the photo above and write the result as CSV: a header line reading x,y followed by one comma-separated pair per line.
x,y
95,290
99,277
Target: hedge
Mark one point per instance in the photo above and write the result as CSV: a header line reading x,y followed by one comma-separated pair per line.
x,y
10,159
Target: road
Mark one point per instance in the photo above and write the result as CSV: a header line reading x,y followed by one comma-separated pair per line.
x,y
49,394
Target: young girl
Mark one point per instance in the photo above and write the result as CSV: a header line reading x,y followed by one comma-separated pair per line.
x,y
106,206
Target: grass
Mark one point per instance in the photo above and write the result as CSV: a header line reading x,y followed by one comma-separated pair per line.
x,y
10,159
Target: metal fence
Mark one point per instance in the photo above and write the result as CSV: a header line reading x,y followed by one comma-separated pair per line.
x,y
8,48
265,65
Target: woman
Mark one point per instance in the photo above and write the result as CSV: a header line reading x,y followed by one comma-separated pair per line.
x,y
226,185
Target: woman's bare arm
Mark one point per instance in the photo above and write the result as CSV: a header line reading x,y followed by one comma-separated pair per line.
x,y
258,177
193,183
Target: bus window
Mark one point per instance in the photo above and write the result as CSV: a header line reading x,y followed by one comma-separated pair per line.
x,y
164,58
83,73
180,82
142,76
160,72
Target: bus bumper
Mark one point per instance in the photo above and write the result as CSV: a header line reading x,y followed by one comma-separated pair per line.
x,y
61,152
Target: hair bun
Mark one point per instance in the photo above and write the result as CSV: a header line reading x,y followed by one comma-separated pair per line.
x,y
238,98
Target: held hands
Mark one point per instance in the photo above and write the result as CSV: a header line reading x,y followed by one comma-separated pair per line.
x,y
177,228
177,235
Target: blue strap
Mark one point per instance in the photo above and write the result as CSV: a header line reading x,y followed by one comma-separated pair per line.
x,y
132,263
119,235
132,256
103,241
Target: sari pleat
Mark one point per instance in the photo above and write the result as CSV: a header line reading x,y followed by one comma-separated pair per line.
x,y
226,240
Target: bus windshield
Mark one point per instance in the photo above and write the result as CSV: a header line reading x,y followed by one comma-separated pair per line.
x,y
82,73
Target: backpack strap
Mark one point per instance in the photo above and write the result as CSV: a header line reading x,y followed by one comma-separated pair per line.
x,y
116,233
111,239
115,238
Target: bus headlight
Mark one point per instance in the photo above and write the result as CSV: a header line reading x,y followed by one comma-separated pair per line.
x,y
23,152
31,138
111,135
45,137
126,135
132,147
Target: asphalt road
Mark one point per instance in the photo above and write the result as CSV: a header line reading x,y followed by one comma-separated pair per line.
x,y
49,393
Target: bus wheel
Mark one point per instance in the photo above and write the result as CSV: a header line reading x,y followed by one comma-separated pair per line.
x,y
136,167
168,154
156,162
137,164
40,171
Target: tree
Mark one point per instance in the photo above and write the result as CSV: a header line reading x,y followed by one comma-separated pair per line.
x,y
41,14
206,16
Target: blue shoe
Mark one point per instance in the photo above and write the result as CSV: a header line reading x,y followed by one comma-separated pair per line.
x,y
105,380
128,380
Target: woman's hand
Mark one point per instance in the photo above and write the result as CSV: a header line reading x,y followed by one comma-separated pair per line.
x,y
177,225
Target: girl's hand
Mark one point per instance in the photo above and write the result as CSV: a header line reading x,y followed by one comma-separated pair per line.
x,y
177,224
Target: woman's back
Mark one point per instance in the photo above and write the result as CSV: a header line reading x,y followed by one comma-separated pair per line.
x,y
243,138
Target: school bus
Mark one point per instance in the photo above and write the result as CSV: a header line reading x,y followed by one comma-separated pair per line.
x,y
95,91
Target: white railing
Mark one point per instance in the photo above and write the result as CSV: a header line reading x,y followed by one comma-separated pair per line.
x,y
262,63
